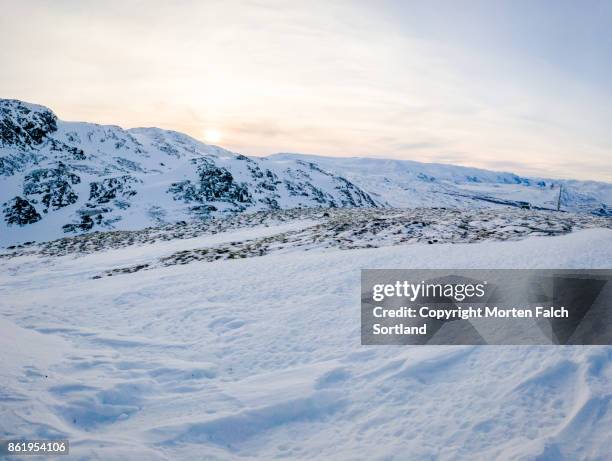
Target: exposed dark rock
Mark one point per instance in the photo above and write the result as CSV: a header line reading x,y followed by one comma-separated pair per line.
x,y
86,224
202,211
353,196
110,188
19,211
216,184
89,218
53,185
22,127
14,163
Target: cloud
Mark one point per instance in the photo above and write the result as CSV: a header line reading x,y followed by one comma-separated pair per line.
x,y
402,79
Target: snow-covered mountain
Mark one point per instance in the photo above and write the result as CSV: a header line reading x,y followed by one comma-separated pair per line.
x,y
60,178
69,177
404,183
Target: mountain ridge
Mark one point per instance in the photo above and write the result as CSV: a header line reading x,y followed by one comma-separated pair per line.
x,y
425,165
63,178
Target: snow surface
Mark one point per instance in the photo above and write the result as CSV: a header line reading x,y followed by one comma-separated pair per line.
x,y
260,358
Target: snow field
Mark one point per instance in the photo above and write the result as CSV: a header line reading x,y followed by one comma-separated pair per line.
x,y
259,358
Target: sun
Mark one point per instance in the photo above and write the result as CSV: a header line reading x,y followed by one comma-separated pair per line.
x,y
212,135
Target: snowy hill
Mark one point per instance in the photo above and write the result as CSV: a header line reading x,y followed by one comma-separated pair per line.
x,y
68,177
61,178
180,361
404,183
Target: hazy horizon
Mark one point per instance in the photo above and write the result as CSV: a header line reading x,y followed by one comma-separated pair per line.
x,y
508,86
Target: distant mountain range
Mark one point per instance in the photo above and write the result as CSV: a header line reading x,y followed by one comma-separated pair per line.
x,y
60,178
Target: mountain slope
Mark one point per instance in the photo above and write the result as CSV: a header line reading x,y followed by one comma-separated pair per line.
x,y
404,183
60,178
70,177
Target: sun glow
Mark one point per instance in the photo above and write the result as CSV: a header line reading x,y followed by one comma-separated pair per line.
x,y
212,135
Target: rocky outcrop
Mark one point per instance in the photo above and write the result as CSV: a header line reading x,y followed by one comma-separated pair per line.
x,y
112,188
215,184
51,186
20,212
24,125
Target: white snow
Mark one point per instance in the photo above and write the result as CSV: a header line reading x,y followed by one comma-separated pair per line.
x,y
260,358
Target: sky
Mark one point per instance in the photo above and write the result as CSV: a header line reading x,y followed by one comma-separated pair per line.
x,y
520,85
